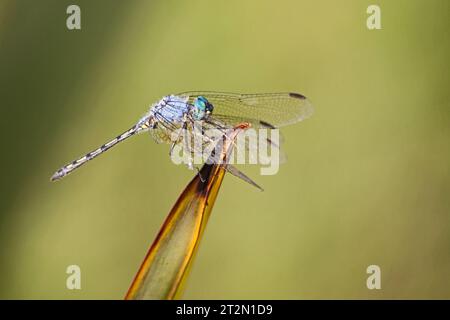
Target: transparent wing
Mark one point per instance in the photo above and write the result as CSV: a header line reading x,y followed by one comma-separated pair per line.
x,y
165,130
249,108
248,146
260,110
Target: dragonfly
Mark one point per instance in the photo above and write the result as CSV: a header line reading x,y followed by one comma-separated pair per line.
x,y
216,110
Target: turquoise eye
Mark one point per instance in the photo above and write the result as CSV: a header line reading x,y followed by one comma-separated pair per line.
x,y
202,108
200,103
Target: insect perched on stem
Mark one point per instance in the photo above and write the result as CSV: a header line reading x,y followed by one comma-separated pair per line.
x,y
212,110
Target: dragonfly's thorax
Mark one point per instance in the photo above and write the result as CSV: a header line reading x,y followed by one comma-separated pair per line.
x,y
171,108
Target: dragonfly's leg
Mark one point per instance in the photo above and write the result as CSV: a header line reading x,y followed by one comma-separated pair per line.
x,y
200,175
172,146
186,143
223,129
177,138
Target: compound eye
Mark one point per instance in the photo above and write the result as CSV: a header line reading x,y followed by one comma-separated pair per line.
x,y
200,104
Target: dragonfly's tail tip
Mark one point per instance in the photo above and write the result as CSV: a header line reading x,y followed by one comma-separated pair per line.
x,y
56,176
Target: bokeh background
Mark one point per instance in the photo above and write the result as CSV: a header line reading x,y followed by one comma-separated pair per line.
x,y
367,179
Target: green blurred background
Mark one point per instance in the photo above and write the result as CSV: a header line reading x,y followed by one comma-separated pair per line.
x,y
367,180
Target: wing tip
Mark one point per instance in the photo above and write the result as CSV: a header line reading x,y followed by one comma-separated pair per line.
x,y
266,124
297,95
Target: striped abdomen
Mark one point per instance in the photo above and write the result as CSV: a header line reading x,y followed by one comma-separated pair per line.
x,y
64,171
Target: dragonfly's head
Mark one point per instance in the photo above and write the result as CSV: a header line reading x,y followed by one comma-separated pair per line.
x,y
202,108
